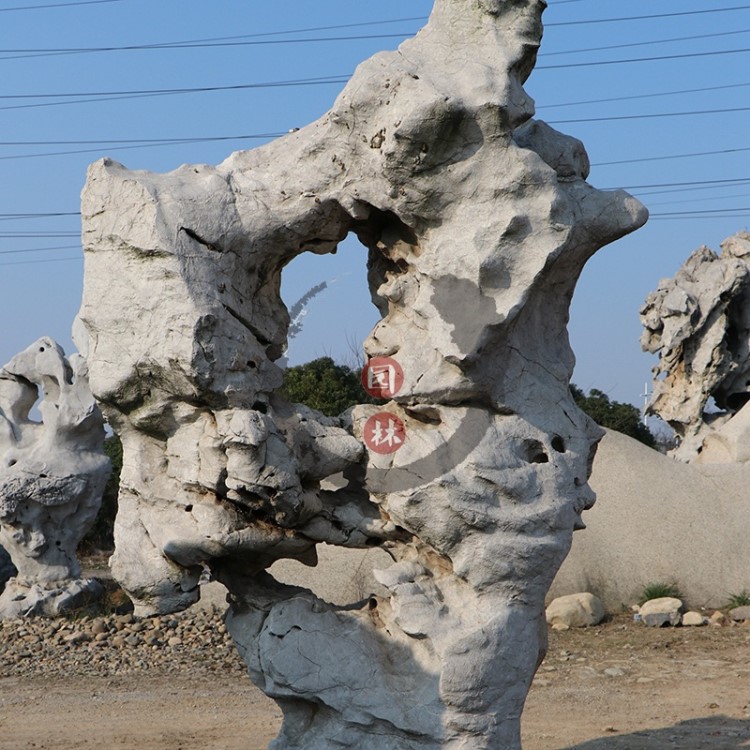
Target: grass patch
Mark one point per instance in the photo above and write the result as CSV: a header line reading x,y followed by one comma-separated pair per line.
x,y
659,590
739,600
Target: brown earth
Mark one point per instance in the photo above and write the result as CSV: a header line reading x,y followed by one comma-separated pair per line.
x,y
618,686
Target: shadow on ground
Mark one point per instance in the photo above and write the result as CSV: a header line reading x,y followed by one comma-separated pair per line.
x,y
706,733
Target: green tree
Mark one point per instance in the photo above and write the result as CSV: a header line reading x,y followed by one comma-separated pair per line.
x,y
614,415
323,385
101,535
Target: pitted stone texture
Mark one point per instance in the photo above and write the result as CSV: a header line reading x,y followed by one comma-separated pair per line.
x,y
52,475
478,221
699,324
666,610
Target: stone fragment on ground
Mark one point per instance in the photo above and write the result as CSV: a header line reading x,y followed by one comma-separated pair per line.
x,y
694,619
575,611
665,610
196,642
740,614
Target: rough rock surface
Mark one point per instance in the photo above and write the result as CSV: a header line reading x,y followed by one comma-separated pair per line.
x,y
575,611
478,221
666,610
699,324
52,475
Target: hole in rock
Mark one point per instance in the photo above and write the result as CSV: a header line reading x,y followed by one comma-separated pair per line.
x,y
330,305
558,444
343,575
535,452
188,508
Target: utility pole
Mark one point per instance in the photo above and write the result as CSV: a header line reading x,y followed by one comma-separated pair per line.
x,y
646,396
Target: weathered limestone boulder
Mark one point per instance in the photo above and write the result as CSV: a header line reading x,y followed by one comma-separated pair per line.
x,y
699,324
574,611
658,519
477,220
666,610
694,619
52,475
740,614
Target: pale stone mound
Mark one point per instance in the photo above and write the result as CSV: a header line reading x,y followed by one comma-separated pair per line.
x,y
694,619
666,610
699,324
660,520
575,611
52,475
478,221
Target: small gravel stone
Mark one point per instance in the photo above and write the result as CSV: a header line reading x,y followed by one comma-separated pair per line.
x,y
194,641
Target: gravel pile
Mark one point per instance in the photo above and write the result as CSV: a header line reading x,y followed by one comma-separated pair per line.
x,y
194,641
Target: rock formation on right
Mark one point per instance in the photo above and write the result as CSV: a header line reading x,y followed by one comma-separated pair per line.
x,y
699,324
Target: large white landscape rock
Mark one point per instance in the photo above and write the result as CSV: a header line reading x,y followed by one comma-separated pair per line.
x,y
478,221
657,519
52,475
575,611
699,324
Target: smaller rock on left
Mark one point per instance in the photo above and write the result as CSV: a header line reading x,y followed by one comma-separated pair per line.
x,y
53,471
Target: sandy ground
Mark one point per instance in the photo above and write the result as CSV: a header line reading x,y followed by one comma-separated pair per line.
x,y
619,686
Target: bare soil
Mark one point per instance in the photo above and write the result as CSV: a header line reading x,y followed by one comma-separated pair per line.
x,y
618,686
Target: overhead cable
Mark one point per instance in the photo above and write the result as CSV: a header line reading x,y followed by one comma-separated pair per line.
x,y
650,116
45,260
58,5
647,18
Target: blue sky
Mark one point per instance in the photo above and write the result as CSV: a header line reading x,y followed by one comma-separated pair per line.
x,y
581,62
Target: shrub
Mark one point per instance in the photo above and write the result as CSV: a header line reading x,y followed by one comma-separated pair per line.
x,y
739,600
659,590
101,535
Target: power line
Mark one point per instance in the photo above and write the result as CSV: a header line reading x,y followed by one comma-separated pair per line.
x,y
190,45
655,58
337,79
631,97
58,5
732,181
147,144
256,39
650,116
698,200
41,249
643,44
707,211
46,260
12,217
188,90
671,156
37,235
140,93
646,18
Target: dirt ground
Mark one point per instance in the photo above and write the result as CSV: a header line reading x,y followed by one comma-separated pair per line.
x,y
619,686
